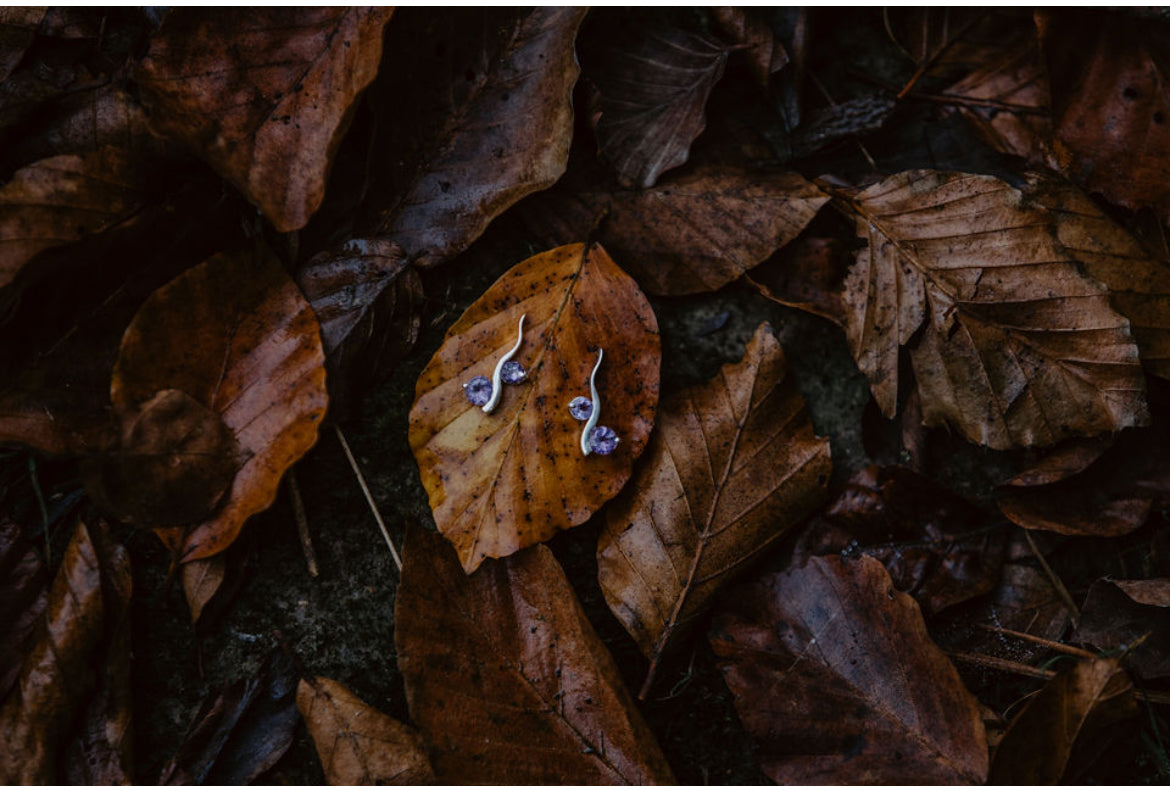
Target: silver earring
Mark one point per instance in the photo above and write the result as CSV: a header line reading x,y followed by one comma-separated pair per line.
x,y
601,440
484,393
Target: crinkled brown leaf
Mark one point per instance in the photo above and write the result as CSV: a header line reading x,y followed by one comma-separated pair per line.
x,y
653,101
241,731
733,466
935,545
1118,614
263,94
835,677
1010,343
235,334
62,199
1111,103
506,678
502,481
474,121
23,597
1070,720
766,54
357,744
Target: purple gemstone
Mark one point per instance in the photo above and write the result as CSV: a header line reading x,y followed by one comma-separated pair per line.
x,y
581,408
603,441
478,390
513,373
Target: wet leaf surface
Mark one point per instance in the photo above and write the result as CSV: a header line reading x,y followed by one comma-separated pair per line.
x,y
735,464
502,481
235,334
506,678
358,744
23,597
835,677
263,95
1131,616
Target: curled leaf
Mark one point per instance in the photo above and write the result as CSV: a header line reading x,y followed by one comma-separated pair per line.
x,y
502,481
506,678
23,588
235,334
1132,616
201,580
734,465
357,744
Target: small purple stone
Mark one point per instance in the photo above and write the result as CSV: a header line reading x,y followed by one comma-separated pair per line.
x,y
513,373
581,408
603,441
478,390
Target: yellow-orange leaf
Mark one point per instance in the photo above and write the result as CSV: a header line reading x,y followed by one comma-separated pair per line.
x,y
502,481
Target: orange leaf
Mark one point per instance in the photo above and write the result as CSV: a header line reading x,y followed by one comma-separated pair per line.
x,y
506,678
357,744
235,334
263,94
502,481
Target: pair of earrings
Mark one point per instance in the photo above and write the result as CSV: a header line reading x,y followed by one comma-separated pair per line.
x,y
486,393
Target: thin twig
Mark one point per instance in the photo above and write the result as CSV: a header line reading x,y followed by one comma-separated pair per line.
x,y
1006,665
1055,646
929,61
825,92
1055,580
369,497
36,485
294,493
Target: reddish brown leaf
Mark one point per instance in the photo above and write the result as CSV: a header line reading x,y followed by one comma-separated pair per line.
x,y
653,101
506,678
1132,616
807,274
23,588
475,121
235,334
1070,720
935,545
201,580
834,675
1111,103
765,53
734,465
263,94
502,481
1010,343
357,744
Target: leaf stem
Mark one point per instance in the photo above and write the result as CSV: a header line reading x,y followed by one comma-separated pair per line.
x,y
369,497
294,491
1055,580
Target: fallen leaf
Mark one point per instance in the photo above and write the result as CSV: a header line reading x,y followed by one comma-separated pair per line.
x,y
263,95
241,731
506,678
1111,104
733,466
1132,616
63,199
835,677
357,744
741,26
936,546
473,122
1068,722
201,580
1009,342
23,597
235,334
653,101
808,275
502,481
175,462
18,28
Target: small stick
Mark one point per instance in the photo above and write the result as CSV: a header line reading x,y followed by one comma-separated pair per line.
x,y
1055,646
1006,665
294,491
1055,580
369,497
929,61
36,485
825,92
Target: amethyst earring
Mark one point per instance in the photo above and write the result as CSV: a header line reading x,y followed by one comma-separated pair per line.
x,y
484,393
601,440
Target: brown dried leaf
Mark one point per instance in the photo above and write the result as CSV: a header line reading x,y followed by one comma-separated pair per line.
x,y
1010,343
357,744
1118,614
18,28
935,545
506,678
1110,78
653,101
733,466
263,94
235,334
807,275
834,675
764,51
23,588
201,580
474,121
1069,720
502,481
